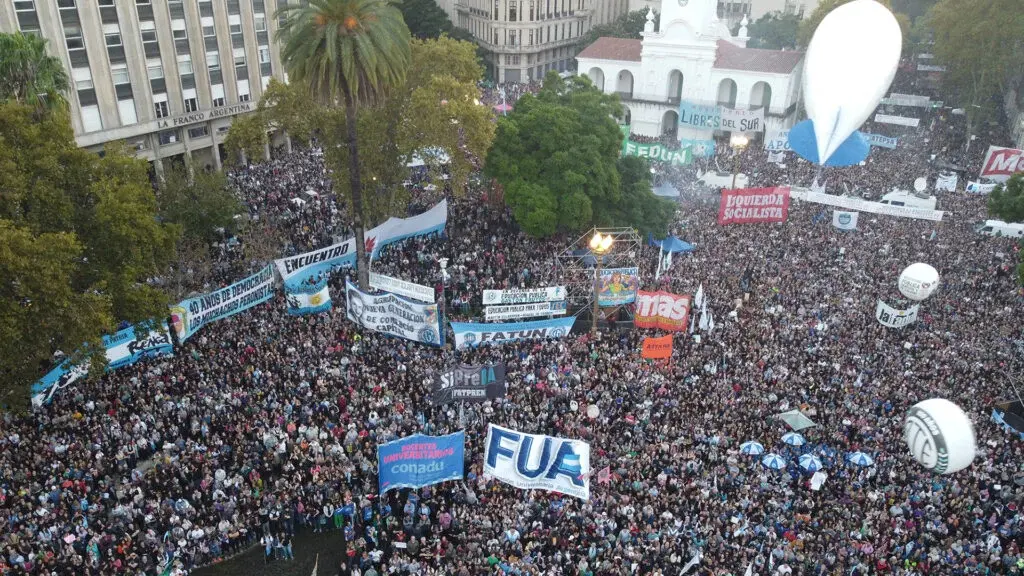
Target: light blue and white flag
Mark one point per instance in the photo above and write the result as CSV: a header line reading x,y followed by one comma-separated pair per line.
x,y
844,220
309,298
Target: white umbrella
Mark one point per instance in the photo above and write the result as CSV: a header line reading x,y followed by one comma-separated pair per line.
x,y
810,463
751,448
774,462
860,459
794,439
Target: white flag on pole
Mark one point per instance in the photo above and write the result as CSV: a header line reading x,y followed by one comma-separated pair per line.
x,y
711,321
693,562
661,255
750,569
698,298
316,565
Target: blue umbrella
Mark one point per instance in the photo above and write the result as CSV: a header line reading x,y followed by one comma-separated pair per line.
x,y
751,448
794,439
810,463
774,462
860,459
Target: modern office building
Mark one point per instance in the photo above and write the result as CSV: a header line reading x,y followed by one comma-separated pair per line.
x,y
525,39
165,76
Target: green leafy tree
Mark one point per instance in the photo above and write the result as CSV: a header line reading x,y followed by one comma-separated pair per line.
x,y
80,241
247,138
1006,202
774,31
979,43
289,106
426,20
810,23
557,157
350,52
28,75
639,206
628,25
914,9
200,204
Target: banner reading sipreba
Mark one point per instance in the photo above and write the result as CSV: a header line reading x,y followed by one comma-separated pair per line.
x,y
188,316
469,383
420,460
754,205
474,334
394,315
661,310
536,461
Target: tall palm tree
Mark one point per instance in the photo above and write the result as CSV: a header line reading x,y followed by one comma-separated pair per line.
x,y
28,75
349,52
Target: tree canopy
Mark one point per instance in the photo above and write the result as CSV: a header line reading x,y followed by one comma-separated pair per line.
x,y
1006,202
774,31
28,75
557,157
426,20
810,23
199,203
79,240
628,25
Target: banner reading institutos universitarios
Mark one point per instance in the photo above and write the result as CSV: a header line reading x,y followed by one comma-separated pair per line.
x,y
419,460
754,205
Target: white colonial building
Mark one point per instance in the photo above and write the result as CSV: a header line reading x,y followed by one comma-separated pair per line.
x,y
693,58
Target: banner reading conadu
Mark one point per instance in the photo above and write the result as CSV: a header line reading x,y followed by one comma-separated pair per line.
x,y
188,316
754,205
661,310
536,461
420,460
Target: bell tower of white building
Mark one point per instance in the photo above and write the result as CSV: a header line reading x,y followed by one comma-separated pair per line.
x,y
697,13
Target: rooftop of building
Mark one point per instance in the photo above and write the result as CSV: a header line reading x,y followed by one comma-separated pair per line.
x,y
728,56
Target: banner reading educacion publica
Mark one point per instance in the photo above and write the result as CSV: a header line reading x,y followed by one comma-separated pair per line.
x,y
661,310
754,205
474,333
469,383
618,286
525,296
323,261
536,461
532,310
394,315
122,349
188,316
420,460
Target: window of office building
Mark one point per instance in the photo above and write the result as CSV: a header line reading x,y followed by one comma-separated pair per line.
x,y
147,30
126,110
189,96
160,104
112,34
243,91
235,23
198,132
184,64
154,68
217,91
213,60
73,37
28,20
239,54
169,137
205,9
261,22
82,78
142,2
178,29
91,121
66,4
264,54
119,73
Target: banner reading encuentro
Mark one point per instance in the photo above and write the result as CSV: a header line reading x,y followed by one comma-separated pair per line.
x,y
754,205
190,315
420,460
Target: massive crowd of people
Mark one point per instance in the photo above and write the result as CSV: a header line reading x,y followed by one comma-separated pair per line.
x,y
264,423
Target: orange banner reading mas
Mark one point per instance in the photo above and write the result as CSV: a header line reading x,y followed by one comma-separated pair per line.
x,y
661,310
657,348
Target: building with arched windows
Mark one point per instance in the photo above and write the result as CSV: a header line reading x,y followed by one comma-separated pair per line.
x,y
694,60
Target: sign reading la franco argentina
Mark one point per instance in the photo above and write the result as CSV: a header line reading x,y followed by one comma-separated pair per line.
x,y
204,115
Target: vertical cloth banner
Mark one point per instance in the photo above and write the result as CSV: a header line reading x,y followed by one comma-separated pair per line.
x,y
754,205
893,318
474,333
661,310
188,316
845,220
420,460
1001,163
618,286
309,298
394,315
122,348
536,461
657,348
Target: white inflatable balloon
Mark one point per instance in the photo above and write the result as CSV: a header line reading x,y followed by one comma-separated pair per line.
x,y
850,63
940,436
918,281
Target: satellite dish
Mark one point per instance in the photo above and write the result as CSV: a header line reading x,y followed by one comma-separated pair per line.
x,y
920,184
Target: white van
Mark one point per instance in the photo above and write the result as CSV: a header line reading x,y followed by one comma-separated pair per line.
x,y
716,180
907,198
1000,228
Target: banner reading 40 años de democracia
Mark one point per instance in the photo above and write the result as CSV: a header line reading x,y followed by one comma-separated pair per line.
x,y
419,460
754,205
188,316
535,461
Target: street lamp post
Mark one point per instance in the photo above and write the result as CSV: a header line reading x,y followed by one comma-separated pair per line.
x,y
599,246
737,142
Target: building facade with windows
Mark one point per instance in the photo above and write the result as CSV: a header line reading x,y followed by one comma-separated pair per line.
x,y
693,58
165,76
524,39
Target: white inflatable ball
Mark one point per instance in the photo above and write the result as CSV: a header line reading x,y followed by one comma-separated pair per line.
x,y
940,436
918,281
